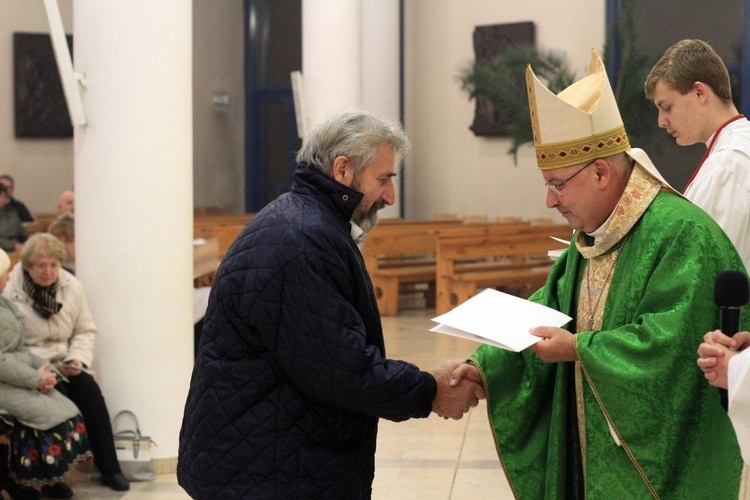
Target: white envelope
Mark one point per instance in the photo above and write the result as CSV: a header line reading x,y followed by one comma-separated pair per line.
x,y
499,319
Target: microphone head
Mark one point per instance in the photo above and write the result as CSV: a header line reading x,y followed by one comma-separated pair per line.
x,y
731,289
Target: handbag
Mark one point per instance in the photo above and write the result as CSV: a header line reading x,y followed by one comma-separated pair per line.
x,y
133,450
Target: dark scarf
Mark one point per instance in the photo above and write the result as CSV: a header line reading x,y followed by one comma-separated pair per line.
x,y
44,297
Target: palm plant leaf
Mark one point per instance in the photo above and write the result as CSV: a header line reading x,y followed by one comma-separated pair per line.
x,y
501,82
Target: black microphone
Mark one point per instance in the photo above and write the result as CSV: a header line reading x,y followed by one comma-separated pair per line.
x,y
731,292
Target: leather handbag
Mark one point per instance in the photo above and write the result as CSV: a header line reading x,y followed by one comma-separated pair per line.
x,y
134,451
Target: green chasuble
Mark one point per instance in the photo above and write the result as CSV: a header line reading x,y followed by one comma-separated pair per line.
x,y
653,426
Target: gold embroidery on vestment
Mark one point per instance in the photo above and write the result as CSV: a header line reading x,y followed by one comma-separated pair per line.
x,y
594,288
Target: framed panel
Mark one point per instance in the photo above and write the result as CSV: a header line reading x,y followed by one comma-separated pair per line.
x,y
40,110
489,42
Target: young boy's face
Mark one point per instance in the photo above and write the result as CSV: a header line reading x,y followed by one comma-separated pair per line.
x,y
679,114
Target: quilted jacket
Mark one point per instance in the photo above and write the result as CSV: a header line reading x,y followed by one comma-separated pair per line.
x,y
69,334
19,379
291,375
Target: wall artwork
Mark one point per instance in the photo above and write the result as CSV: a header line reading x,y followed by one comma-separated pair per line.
x,y
489,42
39,103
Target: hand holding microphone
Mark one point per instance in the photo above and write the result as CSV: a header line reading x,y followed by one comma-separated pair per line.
x,y
731,293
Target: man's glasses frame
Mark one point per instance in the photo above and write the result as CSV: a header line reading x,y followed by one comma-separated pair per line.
x,y
557,188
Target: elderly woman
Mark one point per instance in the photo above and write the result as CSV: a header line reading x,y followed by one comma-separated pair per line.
x,y
41,431
58,327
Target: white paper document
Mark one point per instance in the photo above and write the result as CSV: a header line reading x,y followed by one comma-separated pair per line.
x,y
496,318
555,254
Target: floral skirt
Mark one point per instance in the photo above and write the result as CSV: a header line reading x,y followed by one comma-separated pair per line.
x,y
43,457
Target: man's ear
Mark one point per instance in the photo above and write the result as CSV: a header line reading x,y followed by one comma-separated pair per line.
x,y
701,91
603,172
341,171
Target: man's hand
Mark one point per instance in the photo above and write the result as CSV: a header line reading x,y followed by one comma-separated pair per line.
x,y
716,351
468,371
556,345
455,396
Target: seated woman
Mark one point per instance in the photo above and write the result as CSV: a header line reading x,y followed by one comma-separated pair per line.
x,y
63,228
58,327
41,431
12,232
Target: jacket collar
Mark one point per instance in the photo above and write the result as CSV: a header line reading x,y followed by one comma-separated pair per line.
x,y
341,199
16,282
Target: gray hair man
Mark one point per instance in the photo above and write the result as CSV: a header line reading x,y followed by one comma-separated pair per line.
x,y
291,375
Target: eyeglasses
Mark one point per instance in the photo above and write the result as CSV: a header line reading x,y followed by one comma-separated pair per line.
x,y
557,188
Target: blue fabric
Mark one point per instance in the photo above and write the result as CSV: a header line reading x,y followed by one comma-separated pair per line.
x,y
291,375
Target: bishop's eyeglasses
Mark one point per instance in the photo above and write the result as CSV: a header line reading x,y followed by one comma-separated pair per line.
x,y
557,188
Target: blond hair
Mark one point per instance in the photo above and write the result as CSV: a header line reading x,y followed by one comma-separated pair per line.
x,y
63,228
41,245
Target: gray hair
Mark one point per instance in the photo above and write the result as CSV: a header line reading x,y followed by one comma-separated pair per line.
x,y
356,135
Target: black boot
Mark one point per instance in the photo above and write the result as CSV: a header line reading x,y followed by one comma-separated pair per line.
x,y
116,481
20,492
57,490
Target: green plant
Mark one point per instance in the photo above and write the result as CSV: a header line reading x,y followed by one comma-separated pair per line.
x,y
501,82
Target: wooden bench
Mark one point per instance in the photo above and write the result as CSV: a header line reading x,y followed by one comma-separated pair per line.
x,y
509,257
41,222
224,227
400,256
205,261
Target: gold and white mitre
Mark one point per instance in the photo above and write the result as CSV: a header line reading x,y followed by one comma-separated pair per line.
x,y
581,123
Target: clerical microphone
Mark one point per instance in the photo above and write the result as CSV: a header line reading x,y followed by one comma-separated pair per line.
x,y
731,292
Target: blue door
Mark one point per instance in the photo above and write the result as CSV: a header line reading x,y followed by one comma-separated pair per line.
x,y
273,49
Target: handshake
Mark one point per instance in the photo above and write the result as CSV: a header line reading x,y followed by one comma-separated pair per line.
x,y
459,388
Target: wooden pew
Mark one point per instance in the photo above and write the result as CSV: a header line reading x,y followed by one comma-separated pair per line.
x,y
399,256
224,227
509,257
205,261
15,258
41,222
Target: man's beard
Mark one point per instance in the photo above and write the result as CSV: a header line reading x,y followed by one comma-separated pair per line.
x,y
367,219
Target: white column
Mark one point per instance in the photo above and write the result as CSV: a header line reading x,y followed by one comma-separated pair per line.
x,y
381,49
133,184
381,81
350,58
331,57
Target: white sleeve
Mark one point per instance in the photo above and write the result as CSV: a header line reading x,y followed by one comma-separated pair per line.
x,y
739,400
724,194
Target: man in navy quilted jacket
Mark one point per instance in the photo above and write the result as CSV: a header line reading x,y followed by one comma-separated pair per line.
x,y
291,375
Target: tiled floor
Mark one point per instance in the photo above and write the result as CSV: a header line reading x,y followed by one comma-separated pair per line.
x,y
419,459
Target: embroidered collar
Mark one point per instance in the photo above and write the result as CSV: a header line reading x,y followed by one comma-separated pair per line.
x,y
638,195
